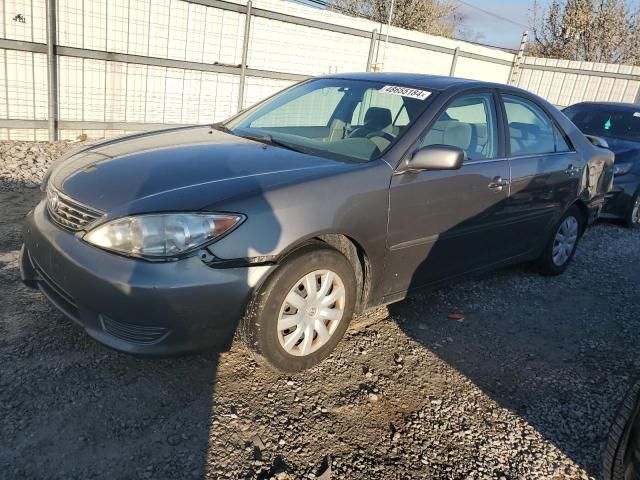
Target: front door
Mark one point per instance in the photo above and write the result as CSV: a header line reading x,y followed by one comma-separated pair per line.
x,y
446,223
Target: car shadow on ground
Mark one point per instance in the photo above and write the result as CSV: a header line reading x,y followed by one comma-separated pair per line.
x,y
539,353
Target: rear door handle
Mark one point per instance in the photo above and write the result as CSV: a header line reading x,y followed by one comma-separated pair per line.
x,y
572,170
498,184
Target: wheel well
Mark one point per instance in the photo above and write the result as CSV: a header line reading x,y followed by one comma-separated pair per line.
x,y
584,213
359,261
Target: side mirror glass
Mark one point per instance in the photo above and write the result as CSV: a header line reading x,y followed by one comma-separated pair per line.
x,y
597,141
436,157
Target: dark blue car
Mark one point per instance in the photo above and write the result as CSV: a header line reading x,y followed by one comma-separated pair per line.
x,y
619,125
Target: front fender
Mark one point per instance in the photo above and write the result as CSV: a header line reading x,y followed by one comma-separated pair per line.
x,y
353,202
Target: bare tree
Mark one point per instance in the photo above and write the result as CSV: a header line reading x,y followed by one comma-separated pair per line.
x,y
437,17
591,30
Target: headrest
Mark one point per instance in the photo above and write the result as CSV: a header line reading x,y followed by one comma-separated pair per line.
x,y
377,118
457,134
524,130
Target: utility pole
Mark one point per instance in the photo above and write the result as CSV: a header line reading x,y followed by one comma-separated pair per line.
x,y
386,40
245,54
515,67
52,71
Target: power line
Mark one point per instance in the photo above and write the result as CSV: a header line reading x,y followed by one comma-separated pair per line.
x,y
488,45
323,4
493,14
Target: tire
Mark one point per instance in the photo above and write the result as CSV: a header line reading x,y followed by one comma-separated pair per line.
x,y
293,349
622,453
571,223
632,218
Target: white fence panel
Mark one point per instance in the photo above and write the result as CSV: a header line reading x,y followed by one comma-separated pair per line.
x,y
187,60
259,88
315,52
482,70
564,82
398,57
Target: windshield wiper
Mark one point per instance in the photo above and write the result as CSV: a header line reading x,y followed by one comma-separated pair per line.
x,y
268,139
221,127
258,138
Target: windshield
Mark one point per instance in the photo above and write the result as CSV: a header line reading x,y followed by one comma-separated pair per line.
x,y
606,121
352,120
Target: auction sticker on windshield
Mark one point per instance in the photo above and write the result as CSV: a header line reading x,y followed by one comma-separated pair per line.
x,y
406,92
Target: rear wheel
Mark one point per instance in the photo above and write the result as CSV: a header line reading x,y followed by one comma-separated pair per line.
x,y
298,317
561,246
633,216
622,453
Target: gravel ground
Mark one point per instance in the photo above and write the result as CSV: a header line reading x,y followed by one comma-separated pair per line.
x,y
525,386
23,164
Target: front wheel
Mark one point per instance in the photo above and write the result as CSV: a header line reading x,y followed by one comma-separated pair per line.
x,y
561,246
298,317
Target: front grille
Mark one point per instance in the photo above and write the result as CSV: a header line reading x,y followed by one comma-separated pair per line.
x,y
141,334
68,213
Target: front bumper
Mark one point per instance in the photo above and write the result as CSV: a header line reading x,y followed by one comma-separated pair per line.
x,y
155,308
618,200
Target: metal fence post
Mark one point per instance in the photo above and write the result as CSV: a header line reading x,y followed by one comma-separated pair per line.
x,y
454,62
515,67
372,48
52,70
245,51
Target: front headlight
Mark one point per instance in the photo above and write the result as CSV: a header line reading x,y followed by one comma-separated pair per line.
x,y
161,235
621,168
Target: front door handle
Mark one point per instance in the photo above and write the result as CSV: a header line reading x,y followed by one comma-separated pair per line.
x,y
498,184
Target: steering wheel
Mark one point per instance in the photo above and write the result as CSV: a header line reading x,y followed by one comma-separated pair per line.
x,y
380,133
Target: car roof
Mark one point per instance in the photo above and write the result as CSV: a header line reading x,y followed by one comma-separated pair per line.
x,y
628,106
429,82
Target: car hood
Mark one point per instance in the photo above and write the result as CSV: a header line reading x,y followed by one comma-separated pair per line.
x,y
178,169
624,150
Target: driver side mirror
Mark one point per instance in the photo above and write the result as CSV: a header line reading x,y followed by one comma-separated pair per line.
x,y
436,157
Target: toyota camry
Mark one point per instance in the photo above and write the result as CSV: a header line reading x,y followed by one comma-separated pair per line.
x,y
333,196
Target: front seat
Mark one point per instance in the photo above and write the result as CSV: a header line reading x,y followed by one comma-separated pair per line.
x,y
376,119
458,134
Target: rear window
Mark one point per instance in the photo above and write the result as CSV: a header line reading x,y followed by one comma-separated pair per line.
x,y
606,121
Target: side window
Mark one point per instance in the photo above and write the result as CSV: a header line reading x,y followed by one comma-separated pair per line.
x,y
561,143
531,131
311,110
469,123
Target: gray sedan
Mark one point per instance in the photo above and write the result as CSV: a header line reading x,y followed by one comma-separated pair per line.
x,y
336,195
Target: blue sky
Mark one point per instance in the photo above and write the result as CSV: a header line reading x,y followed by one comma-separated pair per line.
x,y
503,32
488,28
496,22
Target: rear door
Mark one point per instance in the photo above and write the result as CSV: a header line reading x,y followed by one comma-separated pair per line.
x,y
445,223
545,173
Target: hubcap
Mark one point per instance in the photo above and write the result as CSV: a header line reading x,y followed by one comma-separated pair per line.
x,y
635,213
565,241
311,312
